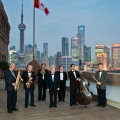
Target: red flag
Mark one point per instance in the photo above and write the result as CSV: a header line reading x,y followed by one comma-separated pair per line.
x,y
38,4
46,11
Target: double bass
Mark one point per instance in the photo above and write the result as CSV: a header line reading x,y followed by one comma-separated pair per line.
x,y
84,96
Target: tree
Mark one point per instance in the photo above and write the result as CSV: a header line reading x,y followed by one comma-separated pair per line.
x,y
3,66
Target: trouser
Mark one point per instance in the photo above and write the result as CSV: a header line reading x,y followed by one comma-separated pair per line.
x,y
11,99
73,92
42,90
101,96
61,92
27,92
53,93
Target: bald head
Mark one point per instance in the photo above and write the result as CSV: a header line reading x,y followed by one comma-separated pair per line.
x,y
12,66
52,70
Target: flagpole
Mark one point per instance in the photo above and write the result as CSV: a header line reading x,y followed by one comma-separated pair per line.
x,y
33,33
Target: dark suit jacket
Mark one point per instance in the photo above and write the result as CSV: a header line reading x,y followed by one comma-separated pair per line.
x,y
73,79
64,76
56,82
41,75
25,77
9,79
103,79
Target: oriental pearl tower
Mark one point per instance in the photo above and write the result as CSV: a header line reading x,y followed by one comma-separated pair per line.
x,y
21,54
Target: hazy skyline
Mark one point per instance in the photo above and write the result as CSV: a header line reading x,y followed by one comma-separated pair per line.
x,y
100,17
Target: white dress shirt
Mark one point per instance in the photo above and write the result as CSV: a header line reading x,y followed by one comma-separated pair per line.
x,y
100,73
74,73
53,77
61,75
29,74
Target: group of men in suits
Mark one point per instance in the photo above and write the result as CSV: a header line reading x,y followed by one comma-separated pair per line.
x,y
54,82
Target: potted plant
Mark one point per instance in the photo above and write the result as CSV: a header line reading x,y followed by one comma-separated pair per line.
x,y
3,66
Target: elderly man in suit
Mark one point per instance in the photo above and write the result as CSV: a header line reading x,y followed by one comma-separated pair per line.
x,y
74,76
28,76
10,79
53,84
101,76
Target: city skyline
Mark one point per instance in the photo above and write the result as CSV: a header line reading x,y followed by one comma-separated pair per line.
x,y
101,19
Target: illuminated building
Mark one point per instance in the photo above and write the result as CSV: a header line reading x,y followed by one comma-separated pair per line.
x,y
75,50
87,54
21,54
13,57
116,56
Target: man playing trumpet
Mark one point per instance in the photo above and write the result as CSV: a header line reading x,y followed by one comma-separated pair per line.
x,y
101,78
42,81
29,77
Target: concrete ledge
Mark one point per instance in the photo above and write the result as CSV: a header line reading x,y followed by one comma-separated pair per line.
x,y
113,103
2,84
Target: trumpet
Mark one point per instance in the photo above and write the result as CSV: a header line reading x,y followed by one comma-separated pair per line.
x,y
19,80
29,81
43,71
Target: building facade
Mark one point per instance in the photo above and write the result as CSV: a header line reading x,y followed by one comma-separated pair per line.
x,y
116,56
66,62
75,50
87,54
4,33
13,57
58,60
65,46
81,39
51,61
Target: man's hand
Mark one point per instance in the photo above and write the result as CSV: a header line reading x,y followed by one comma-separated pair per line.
x,y
58,88
99,83
27,83
13,84
78,79
30,78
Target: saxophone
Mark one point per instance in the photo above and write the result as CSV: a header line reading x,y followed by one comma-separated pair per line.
x,y
29,81
19,80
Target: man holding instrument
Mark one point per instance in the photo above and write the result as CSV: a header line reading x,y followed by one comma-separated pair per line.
x,y
101,77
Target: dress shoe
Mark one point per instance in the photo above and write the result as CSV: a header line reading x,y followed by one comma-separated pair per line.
x,y
33,105
97,105
103,106
55,106
9,111
71,104
75,103
15,109
26,106
50,106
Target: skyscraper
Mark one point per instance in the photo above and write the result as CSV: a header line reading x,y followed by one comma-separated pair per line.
x,y
21,27
75,50
13,57
65,46
116,56
87,54
101,55
45,49
51,61
58,60
81,38
107,51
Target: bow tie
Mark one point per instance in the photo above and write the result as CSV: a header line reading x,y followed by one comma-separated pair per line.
x,y
29,71
73,71
61,72
100,71
52,74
